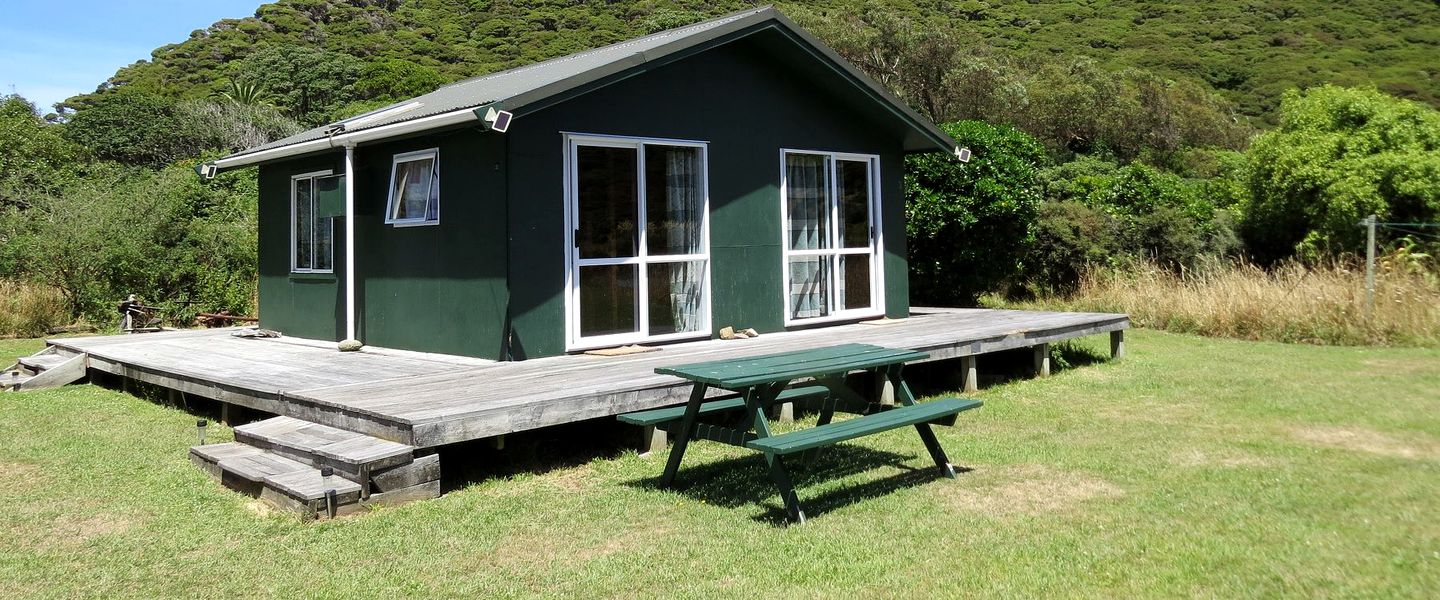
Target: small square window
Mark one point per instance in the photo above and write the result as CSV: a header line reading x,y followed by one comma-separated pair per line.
x,y
414,189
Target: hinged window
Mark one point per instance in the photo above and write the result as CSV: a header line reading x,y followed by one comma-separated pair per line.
x,y
312,223
414,189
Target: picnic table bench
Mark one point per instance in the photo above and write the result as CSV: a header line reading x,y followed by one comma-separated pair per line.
x,y
760,382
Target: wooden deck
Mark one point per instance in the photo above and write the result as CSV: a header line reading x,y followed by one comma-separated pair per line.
x,y
428,400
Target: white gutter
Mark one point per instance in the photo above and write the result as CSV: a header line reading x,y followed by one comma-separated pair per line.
x,y
350,241
350,139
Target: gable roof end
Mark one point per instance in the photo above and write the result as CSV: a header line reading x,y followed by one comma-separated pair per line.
x,y
536,86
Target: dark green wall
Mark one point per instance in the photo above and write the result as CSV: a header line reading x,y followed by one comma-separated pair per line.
x,y
437,288
748,106
302,305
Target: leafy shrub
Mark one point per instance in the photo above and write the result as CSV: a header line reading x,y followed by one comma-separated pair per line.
x,y
131,127
969,223
1070,237
1338,155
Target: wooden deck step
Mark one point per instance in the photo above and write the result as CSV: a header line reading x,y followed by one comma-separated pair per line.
x,y
321,445
40,362
309,485
285,483
45,369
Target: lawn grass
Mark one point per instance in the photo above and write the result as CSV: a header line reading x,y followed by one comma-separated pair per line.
x,y
14,348
1195,466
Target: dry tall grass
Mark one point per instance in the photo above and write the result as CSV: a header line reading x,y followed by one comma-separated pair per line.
x,y
1290,303
27,310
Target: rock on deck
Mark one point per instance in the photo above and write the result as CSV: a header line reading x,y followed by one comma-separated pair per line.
x,y
426,400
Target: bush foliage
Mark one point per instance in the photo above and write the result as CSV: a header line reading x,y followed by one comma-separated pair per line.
x,y
968,224
1338,155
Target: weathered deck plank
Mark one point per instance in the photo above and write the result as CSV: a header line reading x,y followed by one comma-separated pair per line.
x,y
427,400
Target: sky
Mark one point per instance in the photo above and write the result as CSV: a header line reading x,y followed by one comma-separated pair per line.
x,y
52,50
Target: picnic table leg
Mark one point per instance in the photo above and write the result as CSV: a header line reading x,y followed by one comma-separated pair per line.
x,y
787,488
827,413
927,435
757,400
682,435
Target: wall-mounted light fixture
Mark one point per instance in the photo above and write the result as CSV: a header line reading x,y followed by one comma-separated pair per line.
x,y
494,119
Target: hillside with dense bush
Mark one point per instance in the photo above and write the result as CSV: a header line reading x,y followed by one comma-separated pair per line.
x,y
1251,51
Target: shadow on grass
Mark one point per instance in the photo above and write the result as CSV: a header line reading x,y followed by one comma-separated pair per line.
x,y
536,452
745,481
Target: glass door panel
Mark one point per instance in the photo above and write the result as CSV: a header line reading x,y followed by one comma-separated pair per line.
x,y
809,287
854,282
675,296
607,213
852,182
807,180
674,200
608,300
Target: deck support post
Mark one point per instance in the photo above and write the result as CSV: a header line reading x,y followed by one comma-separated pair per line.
x,y
884,391
1117,344
1042,360
653,439
225,414
970,381
785,412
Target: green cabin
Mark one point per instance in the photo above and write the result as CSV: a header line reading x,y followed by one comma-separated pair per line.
x,y
734,172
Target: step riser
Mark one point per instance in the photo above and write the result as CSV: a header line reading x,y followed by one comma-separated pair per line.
x,y
421,471
415,480
348,471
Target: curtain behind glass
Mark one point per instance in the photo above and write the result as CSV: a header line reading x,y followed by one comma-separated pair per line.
x,y
413,186
807,184
673,200
304,223
674,204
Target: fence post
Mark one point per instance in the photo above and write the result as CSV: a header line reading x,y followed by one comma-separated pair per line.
x,y
1369,266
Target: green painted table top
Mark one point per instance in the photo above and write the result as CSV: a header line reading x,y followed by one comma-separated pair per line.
x,y
738,373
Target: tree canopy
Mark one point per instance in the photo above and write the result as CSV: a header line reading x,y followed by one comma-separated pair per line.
x,y
1338,155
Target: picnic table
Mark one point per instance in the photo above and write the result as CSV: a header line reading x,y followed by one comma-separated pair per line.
x,y
758,383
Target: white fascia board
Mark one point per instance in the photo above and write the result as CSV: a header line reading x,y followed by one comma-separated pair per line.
x,y
340,140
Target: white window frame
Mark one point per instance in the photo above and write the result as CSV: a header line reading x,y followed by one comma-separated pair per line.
x,y
875,250
295,235
573,340
431,153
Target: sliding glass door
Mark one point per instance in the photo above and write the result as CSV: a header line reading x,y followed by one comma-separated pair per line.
x,y
639,260
831,211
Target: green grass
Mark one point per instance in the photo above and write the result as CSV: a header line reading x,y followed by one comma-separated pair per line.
x,y
1194,467
12,349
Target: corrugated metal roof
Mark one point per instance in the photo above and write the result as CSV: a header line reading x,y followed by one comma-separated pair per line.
x,y
534,82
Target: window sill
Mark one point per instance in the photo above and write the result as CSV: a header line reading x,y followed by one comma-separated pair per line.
x,y
834,319
416,223
315,276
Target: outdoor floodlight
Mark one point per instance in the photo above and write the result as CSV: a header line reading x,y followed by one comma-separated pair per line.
x,y
963,154
497,120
